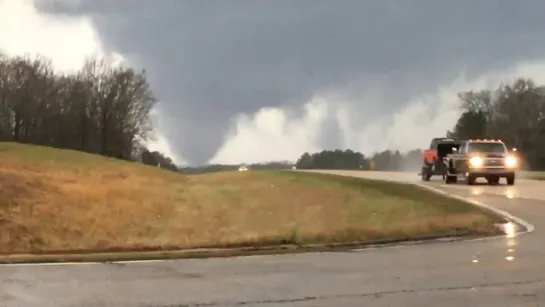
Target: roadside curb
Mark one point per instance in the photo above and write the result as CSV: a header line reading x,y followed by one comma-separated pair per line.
x,y
526,226
136,257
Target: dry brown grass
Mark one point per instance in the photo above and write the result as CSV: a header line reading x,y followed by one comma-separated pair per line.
x,y
53,200
534,175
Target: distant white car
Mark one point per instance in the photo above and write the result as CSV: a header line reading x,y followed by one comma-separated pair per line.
x,y
243,168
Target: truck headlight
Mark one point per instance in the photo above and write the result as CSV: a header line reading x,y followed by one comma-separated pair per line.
x,y
476,162
510,161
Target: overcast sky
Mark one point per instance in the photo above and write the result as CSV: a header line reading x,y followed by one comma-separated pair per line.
x,y
246,81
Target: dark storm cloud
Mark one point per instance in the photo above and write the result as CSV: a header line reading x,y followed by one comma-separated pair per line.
x,y
210,60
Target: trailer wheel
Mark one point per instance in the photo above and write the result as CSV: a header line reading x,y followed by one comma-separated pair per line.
x,y
493,180
426,173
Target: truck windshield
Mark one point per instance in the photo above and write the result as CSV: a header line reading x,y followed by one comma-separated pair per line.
x,y
486,147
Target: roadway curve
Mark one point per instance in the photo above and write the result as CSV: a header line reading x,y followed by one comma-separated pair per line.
x,y
504,271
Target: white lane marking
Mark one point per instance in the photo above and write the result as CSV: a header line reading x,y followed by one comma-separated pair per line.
x,y
529,227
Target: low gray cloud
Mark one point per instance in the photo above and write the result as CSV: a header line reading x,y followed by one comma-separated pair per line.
x,y
211,60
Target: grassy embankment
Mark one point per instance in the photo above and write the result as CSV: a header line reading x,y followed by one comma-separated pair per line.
x,y
534,175
60,201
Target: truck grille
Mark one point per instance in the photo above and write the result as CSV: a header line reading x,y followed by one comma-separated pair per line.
x,y
494,162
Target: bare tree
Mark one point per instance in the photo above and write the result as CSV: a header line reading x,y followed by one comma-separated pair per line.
x,y
100,109
513,112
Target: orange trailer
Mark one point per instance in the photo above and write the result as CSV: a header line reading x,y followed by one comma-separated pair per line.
x,y
433,156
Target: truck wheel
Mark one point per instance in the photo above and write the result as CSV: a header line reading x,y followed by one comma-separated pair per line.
x,y
470,180
511,179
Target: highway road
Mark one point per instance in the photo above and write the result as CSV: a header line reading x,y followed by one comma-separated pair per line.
x,y
502,271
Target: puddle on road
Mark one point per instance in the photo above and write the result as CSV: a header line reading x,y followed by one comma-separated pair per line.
x,y
511,230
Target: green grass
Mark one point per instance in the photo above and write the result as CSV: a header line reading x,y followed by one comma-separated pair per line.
x,y
61,201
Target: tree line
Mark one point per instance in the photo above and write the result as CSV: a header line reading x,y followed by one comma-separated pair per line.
x,y
105,109
158,159
101,108
387,160
513,112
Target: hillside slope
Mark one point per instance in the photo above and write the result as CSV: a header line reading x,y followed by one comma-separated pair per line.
x,y
53,200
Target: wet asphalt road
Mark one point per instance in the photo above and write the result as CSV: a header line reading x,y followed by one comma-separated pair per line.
x,y
504,271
